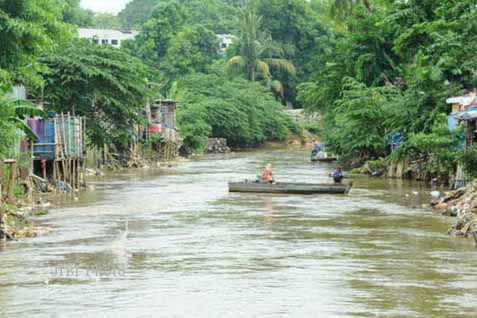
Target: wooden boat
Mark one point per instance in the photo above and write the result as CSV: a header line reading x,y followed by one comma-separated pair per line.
x,y
328,159
290,188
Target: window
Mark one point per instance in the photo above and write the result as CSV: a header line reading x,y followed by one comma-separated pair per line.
x,y
224,45
104,41
114,42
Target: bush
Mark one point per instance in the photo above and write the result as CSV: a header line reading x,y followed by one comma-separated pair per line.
x,y
469,163
243,112
439,148
193,126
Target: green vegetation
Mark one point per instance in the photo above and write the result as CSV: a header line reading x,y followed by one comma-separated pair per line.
x,y
469,162
104,84
390,69
242,111
136,13
258,54
106,21
179,41
373,69
28,28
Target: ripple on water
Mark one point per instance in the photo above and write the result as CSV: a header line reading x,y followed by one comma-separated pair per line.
x,y
193,250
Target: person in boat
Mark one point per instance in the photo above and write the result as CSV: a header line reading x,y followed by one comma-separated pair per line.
x,y
267,174
316,148
337,175
316,152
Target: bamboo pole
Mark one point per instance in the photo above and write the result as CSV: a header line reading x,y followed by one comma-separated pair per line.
x,y
11,182
63,149
74,175
54,171
1,181
83,150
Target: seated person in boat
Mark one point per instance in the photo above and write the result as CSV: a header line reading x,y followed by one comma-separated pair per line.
x,y
337,175
267,174
316,148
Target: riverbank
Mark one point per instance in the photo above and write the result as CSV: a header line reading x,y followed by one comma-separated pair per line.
x,y
16,220
461,204
189,240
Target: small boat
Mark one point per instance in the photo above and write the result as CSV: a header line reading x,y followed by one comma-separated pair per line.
x,y
290,188
321,156
324,159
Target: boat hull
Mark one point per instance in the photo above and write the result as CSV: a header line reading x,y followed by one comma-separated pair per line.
x,y
330,159
290,188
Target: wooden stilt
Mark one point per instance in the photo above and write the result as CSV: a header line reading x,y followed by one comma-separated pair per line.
x,y
54,170
73,172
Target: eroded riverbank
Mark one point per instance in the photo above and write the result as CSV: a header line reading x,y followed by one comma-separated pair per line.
x,y
193,250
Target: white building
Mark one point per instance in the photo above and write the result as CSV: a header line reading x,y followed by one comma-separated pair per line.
x,y
107,36
225,40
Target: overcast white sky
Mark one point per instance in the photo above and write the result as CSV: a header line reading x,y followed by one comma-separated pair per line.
x,y
111,6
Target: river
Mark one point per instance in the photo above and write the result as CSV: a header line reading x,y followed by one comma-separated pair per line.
x,y
176,244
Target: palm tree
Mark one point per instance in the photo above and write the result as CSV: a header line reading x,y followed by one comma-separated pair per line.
x,y
258,53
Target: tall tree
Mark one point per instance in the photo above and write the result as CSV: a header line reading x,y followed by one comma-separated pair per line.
x,y
193,50
75,14
136,13
105,84
29,28
258,53
301,32
152,43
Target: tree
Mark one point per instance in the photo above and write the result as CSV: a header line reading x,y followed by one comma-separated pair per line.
x,y
258,54
191,51
136,13
74,14
105,84
152,43
106,21
302,34
29,28
242,111
342,8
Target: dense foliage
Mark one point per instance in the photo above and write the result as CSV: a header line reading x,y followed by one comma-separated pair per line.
x,y
390,70
136,13
102,83
243,112
374,69
259,57
74,14
28,28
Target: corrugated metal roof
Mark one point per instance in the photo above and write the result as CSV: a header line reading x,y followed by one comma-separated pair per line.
x,y
463,100
470,115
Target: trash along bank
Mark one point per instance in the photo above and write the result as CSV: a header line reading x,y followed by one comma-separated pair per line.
x,y
462,204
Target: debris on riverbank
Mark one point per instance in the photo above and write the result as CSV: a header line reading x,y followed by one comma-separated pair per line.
x,y
462,204
15,221
217,145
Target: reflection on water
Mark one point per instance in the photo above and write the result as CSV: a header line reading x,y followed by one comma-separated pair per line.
x,y
176,244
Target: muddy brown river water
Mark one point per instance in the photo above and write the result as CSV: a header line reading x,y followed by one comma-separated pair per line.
x,y
176,244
